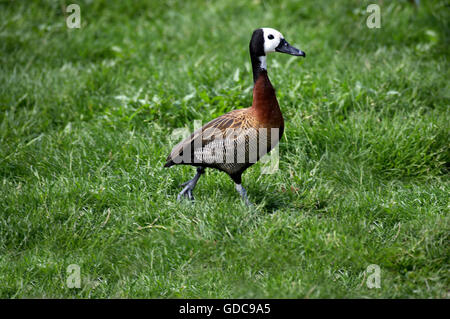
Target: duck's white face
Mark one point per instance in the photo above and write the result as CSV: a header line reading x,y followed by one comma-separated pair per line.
x,y
272,39
267,40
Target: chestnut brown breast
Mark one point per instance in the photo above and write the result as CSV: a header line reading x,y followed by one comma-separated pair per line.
x,y
265,106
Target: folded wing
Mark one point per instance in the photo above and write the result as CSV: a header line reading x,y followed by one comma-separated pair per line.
x,y
229,143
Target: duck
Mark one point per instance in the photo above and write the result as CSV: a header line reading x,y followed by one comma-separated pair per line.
x,y
234,141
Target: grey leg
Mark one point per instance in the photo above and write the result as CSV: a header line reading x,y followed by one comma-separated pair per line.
x,y
241,190
189,186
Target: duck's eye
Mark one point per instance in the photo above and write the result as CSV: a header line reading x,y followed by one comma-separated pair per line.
x,y
270,37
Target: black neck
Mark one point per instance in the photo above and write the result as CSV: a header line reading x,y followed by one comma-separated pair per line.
x,y
256,51
256,66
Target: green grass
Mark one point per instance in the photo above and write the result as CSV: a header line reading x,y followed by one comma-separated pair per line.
x,y
86,117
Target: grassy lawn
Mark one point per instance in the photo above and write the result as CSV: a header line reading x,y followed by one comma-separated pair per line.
x,y
86,122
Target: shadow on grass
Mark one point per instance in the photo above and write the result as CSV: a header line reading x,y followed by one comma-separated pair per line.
x,y
271,198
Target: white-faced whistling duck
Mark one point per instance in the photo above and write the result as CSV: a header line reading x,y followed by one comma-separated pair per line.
x,y
236,140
